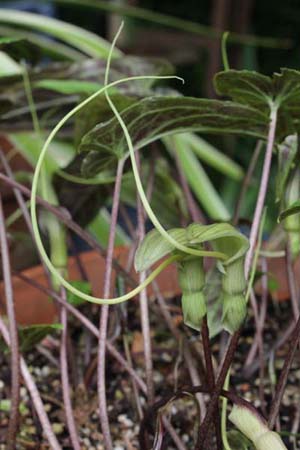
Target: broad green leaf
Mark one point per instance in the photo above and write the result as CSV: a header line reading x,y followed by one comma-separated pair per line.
x,y
59,155
245,87
31,335
69,86
51,105
261,92
98,111
293,209
89,43
84,287
154,117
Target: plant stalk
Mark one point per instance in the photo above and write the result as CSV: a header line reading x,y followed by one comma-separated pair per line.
x,y
204,427
145,320
65,376
262,190
210,375
277,398
104,312
13,335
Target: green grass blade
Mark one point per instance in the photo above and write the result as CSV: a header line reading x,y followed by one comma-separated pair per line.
x,y
198,180
85,41
54,49
213,157
100,226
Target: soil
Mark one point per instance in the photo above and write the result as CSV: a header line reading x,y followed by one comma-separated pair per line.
x,y
169,372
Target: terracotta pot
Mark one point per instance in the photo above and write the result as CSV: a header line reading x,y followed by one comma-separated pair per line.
x,y
34,307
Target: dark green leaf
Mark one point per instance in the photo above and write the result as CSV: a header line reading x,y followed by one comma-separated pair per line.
x,y
260,92
82,201
167,199
31,335
69,86
245,87
154,117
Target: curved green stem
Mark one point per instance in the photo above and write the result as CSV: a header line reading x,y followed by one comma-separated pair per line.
x,y
224,415
140,189
224,51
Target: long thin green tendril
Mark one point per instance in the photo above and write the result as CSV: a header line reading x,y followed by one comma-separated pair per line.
x,y
224,50
224,415
147,207
35,226
143,197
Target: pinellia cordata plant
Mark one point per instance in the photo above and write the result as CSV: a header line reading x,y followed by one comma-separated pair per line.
x,y
229,247
266,108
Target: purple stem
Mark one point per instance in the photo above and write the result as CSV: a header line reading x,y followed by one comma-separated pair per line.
x,y
277,398
195,212
187,354
65,377
293,346
104,312
262,189
34,394
247,181
210,375
204,427
13,334
145,321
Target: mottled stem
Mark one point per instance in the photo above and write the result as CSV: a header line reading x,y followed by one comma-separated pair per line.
x,y
104,312
65,377
262,189
13,334
143,298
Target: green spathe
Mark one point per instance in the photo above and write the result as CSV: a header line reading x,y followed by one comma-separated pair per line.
x,y
270,441
226,241
234,312
191,278
255,428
